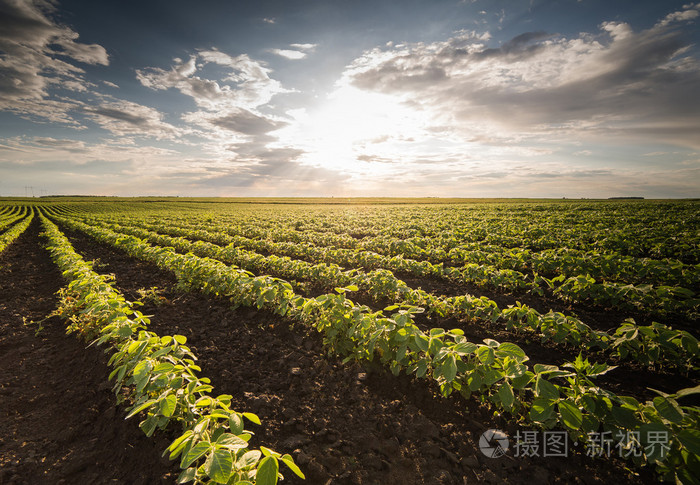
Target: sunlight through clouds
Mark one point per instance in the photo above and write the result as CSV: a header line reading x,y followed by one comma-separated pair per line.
x,y
447,99
350,124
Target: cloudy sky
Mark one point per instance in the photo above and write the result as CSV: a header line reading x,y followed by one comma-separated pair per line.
x,y
460,98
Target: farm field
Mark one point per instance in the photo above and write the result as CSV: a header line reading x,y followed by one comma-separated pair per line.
x,y
364,341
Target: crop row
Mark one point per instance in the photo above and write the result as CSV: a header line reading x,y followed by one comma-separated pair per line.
x,y
13,232
158,376
646,229
647,344
8,219
546,396
649,230
453,250
660,301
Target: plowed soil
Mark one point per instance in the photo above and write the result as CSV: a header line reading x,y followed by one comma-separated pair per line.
x,y
59,423
343,423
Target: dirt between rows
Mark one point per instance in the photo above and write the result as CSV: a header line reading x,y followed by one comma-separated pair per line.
x,y
59,423
344,424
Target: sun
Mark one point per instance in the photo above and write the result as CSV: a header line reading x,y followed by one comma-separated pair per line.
x,y
352,128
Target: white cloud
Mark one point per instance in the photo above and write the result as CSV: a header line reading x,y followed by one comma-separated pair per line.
x,y
30,68
304,47
230,116
297,51
247,85
125,118
289,54
689,12
615,84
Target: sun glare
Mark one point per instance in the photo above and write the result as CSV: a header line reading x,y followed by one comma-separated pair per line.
x,y
354,131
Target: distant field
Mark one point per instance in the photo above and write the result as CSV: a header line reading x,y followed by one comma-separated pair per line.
x,y
317,200
379,338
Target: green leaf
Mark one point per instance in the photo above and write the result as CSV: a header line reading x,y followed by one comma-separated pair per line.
x,y
249,458
449,368
545,389
140,408
219,465
542,368
181,339
465,348
474,381
486,354
289,461
133,346
688,391
235,422
231,442
187,475
203,401
148,425
570,414
690,438
177,446
422,342
197,451
268,452
142,368
521,381
541,410
421,368
668,409
177,442
492,376
267,471
163,367
252,417
167,405
625,417
511,350
505,393
590,424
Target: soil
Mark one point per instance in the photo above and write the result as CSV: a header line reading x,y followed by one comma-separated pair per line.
x,y
59,422
343,423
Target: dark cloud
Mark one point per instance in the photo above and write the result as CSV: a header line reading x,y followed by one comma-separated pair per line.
x,y
276,169
124,118
520,47
119,115
72,146
246,122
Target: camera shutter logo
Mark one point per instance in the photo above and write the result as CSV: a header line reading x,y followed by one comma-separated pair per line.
x,y
493,443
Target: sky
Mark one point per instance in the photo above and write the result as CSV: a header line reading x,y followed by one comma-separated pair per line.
x,y
422,98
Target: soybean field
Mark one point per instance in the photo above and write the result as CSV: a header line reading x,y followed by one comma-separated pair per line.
x,y
349,341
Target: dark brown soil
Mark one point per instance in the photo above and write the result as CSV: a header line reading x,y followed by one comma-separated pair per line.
x,y
59,423
343,423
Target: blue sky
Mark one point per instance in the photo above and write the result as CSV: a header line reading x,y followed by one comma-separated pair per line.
x,y
456,98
